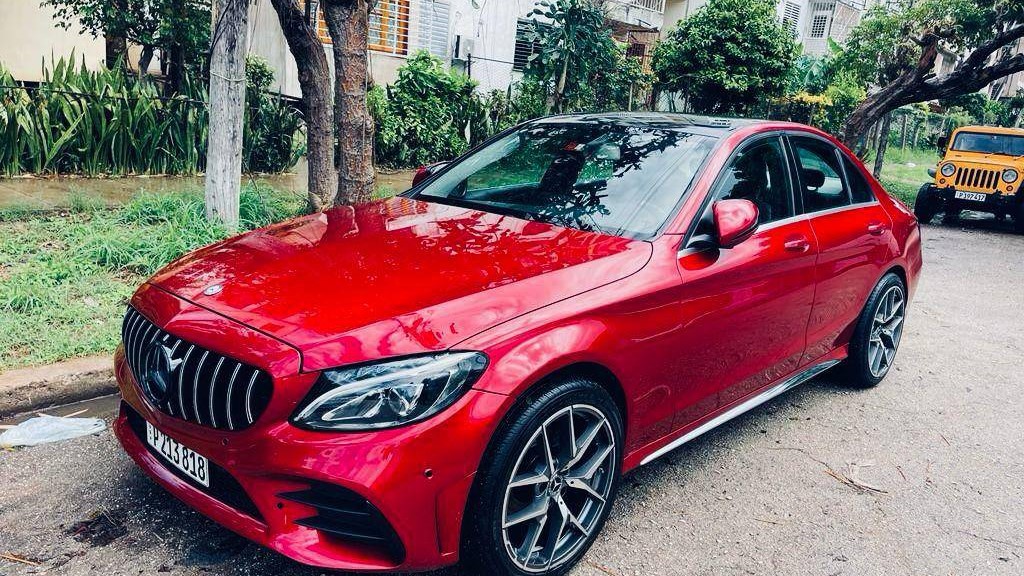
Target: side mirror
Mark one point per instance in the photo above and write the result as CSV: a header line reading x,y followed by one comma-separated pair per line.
x,y
735,221
424,172
942,142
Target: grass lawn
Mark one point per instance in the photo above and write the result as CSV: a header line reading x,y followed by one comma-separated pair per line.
x,y
66,276
904,172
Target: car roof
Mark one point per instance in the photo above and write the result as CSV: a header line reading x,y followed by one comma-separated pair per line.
x,y
711,125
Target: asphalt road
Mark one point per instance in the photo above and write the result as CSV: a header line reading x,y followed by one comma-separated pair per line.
x,y
923,475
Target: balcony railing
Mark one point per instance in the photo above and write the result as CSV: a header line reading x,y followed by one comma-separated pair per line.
x,y
652,5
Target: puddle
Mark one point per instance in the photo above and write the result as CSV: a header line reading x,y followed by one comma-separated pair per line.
x,y
48,193
103,407
101,528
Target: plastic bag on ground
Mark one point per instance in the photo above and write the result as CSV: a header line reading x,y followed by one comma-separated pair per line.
x,y
43,429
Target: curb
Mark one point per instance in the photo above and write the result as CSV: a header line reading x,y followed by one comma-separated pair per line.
x,y
27,389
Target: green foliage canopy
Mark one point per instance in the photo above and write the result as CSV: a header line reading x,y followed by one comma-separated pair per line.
x,y
888,40
728,56
166,24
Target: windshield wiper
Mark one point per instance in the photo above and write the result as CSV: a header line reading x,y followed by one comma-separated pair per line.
x,y
482,206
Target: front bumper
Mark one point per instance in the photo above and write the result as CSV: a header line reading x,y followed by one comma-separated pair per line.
x,y
415,479
994,202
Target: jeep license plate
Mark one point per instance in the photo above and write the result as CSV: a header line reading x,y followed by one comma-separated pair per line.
x,y
973,196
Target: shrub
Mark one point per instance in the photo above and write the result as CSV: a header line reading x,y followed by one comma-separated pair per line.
x,y
110,122
423,117
728,56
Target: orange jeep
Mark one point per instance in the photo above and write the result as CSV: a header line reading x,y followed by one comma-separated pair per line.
x,y
980,170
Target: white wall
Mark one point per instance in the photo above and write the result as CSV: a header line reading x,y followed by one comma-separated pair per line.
x,y
492,30
28,36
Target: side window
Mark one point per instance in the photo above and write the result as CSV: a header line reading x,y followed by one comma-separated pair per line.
x,y
758,174
821,175
860,190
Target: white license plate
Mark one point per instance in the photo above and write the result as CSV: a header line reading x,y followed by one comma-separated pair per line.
x,y
195,466
971,196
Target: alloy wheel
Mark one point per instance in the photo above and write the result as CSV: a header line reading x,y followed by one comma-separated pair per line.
x,y
559,488
886,330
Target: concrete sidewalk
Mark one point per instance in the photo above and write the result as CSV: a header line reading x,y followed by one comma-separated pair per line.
x,y
38,387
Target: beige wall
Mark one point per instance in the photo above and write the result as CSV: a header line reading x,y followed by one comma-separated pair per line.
x,y
28,36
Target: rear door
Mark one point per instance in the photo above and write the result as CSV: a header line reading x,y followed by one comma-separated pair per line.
x,y
745,309
853,232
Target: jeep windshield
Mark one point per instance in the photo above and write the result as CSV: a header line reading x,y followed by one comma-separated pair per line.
x,y
615,178
1004,144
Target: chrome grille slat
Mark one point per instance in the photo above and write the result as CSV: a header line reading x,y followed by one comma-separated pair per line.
x,y
224,402
213,388
181,376
195,386
248,396
231,385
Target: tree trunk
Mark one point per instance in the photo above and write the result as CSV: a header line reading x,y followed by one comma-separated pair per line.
x,y
227,106
883,144
559,96
347,21
145,58
116,51
175,69
315,83
904,132
919,83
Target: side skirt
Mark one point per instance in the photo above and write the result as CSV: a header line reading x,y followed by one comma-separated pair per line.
x,y
751,403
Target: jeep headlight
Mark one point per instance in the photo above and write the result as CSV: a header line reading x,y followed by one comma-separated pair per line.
x,y
1010,175
947,170
389,393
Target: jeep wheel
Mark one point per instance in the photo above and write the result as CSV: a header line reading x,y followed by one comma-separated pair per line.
x,y
927,204
1018,219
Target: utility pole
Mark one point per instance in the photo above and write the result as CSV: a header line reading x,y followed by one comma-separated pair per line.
x,y
227,108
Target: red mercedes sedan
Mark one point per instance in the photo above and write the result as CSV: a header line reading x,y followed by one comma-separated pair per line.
x,y
464,372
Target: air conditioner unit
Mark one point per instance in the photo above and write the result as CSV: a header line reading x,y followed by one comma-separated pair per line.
x,y
462,47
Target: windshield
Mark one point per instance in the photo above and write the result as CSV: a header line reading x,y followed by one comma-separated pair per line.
x,y
606,177
989,143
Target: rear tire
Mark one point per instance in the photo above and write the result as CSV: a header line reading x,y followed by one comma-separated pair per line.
x,y
877,335
540,500
927,204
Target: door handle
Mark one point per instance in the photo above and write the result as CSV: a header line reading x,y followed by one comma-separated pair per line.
x,y
876,228
798,245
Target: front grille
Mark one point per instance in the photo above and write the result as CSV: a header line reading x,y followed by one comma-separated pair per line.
x,y
223,486
345,515
201,386
977,178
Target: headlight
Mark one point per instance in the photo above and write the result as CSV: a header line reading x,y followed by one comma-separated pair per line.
x,y
391,393
1010,175
947,170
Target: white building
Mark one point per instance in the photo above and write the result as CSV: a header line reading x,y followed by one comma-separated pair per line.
x,y
484,37
813,22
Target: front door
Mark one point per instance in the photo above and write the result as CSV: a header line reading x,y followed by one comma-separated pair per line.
x,y
745,309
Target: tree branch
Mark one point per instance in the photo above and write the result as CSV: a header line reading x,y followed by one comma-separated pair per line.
x,y
985,50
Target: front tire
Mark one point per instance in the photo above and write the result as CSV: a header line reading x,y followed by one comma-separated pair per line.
x,y
1018,218
927,204
876,338
546,485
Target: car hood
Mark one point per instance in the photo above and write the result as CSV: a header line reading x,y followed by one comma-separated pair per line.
x,y
996,161
394,277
